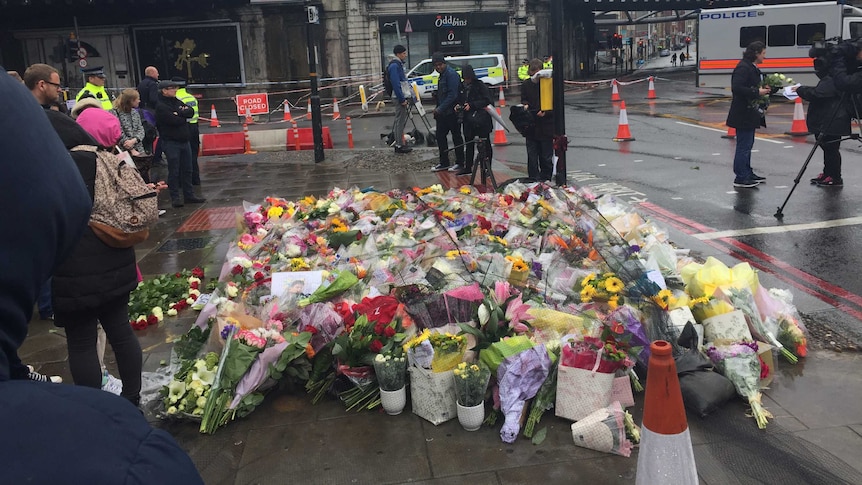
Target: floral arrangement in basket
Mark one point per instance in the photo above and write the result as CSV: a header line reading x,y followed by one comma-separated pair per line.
x,y
605,287
471,382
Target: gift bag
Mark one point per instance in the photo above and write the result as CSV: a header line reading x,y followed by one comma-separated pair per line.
x,y
622,391
432,395
581,391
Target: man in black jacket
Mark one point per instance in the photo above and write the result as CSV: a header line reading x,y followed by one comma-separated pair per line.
x,y
148,89
745,115
540,146
172,121
448,91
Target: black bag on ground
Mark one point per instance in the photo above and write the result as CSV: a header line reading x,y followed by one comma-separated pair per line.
x,y
523,120
703,389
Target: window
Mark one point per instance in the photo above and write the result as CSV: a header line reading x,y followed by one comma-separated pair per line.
x,y
423,69
781,35
486,41
747,35
483,62
806,34
417,50
855,30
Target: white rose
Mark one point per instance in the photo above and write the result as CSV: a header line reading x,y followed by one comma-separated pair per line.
x,y
172,313
194,292
232,291
192,279
190,301
292,250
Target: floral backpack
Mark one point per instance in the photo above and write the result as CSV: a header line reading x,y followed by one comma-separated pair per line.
x,y
123,206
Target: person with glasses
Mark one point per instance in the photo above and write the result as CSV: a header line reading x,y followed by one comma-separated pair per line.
x,y
44,82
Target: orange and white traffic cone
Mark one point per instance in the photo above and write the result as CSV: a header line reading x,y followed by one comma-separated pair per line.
x,y
651,90
615,92
336,113
248,119
731,133
213,118
308,113
349,133
287,116
665,454
502,100
798,127
248,150
499,133
623,133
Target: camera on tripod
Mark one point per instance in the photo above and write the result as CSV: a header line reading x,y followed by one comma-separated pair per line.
x,y
824,51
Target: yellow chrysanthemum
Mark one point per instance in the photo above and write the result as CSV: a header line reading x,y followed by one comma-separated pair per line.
x,y
465,189
448,215
614,285
587,279
275,211
587,293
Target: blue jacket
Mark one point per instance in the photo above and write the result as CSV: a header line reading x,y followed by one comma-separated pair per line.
x,y
397,76
448,88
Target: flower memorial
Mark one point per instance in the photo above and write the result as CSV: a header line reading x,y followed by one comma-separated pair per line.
x,y
527,291
165,294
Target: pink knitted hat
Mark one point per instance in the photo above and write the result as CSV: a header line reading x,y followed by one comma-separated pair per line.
x,y
104,126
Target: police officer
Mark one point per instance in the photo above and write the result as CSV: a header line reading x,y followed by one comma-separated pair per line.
x,y
548,62
95,87
522,71
194,132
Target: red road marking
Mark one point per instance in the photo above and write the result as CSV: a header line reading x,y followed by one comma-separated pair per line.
x,y
208,219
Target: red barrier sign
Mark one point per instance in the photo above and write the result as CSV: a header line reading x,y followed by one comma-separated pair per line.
x,y
256,104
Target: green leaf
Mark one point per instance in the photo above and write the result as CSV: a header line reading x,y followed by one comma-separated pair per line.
x,y
540,436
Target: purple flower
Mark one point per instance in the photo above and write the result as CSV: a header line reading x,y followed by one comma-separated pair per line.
x,y
537,269
225,332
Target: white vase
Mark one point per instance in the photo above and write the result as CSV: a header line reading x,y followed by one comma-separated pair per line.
x,y
393,401
471,417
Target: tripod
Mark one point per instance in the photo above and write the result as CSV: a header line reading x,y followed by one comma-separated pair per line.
x,y
853,136
482,163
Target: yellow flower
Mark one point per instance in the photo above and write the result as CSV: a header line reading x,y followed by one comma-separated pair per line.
x,y
474,368
664,298
587,279
613,302
545,205
275,211
614,284
465,189
587,293
448,215
454,253
338,226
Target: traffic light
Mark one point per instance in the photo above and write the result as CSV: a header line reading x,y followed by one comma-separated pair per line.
x,y
687,40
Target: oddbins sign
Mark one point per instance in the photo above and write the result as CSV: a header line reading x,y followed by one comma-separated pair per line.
x,y
255,104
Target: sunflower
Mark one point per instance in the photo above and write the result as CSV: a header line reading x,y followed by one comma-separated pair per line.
x,y
587,279
448,215
664,298
587,293
614,284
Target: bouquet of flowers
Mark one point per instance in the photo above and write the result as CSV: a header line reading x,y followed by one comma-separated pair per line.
x,y
582,355
501,314
774,81
187,392
739,363
175,292
471,382
743,300
438,351
607,288
607,429
390,370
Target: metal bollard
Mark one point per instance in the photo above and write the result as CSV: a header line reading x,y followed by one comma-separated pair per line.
x,y
295,134
349,133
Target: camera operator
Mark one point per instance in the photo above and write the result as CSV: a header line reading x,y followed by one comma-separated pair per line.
x,y
829,119
845,58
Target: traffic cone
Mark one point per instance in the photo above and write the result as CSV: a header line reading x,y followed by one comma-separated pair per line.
x,y
248,119
248,150
798,127
665,454
499,133
213,118
615,92
335,111
502,102
287,116
651,91
731,133
308,113
295,135
623,133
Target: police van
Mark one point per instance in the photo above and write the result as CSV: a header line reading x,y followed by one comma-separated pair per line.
x,y
787,30
490,69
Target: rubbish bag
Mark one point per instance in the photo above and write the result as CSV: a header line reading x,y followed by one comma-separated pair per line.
x,y
703,389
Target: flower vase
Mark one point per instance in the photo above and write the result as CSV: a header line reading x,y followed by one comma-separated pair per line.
x,y
518,277
393,402
471,417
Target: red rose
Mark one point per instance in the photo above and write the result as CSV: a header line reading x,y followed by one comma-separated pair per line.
x,y
258,276
178,275
312,329
267,268
138,325
152,320
375,346
389,332
379,309
378,328
195,285
484,223
198,273
236,270
193,297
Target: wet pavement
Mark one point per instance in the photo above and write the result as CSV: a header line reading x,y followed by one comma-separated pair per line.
x,y
816,436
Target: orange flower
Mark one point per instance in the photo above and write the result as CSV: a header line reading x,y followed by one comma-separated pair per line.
x,y
309,351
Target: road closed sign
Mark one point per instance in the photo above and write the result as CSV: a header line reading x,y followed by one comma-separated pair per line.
x,y
256,104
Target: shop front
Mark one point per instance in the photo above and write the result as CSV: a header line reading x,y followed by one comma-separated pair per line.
x,y
453,34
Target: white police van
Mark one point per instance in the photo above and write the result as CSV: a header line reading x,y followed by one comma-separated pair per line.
x,y
489,68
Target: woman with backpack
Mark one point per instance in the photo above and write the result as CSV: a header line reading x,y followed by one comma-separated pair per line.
x,y
477,121
92,285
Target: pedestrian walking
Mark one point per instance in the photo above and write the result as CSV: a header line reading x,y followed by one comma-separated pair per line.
x,y
401,94
745,114
448,91
682,58
673,59
540,146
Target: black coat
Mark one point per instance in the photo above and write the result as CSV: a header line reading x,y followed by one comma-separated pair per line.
x,y
531,95
94,273
823,100
745,84
149,92
477,120
172,118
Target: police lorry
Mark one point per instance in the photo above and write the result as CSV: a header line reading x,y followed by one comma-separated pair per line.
x,y
787,30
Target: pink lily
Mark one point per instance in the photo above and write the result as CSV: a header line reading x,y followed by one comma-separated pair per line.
x,y
516,312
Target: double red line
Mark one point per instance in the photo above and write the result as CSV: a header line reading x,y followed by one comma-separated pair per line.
x,y
835,296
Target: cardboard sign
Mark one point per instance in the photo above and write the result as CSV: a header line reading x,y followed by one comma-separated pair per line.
x,y
255,104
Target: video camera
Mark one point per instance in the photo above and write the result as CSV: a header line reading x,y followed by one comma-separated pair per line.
x,y
824,51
